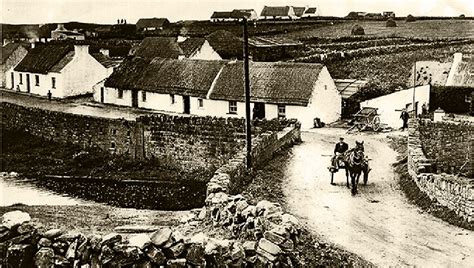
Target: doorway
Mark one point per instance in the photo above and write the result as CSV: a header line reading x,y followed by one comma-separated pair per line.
x,y
134,98
28,87
13,81
187,105
258,110
102,99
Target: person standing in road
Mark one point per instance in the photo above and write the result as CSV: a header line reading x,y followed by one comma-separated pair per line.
x,y
404,116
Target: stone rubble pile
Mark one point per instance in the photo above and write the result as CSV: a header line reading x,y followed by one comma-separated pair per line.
x,y
272,236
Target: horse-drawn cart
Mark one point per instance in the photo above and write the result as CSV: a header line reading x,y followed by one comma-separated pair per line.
x,y
366,118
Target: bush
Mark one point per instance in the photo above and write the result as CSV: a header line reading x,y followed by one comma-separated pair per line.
x,y
390,23
357,30
410,18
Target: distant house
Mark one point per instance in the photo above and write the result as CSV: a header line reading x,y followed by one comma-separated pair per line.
x,y
299,11
356,14
462,71
388,14
61,33
11,54
234,15
390,106
215,88
162,47
151,24
62,70
278,12
310,13
373,15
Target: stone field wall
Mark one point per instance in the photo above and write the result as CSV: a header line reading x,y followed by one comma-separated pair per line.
x,y
453,191
191,141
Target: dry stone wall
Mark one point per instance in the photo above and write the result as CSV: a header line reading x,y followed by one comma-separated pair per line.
x,y
453,191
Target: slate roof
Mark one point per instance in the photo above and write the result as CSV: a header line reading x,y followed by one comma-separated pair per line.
x,y
151,22
277,11
299,11
166,76
44,57
270,82
162,47
7,50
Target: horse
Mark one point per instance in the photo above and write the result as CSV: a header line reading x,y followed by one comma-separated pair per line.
x,y
355,163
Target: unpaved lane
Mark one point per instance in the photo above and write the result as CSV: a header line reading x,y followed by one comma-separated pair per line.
x,y
378,224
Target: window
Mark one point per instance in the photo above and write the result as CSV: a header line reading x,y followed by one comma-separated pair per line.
x,y
281,111
232,107
21,79
112,145
120,93
200,103
172,98
114,132
144,96
53,82
325,87
37,80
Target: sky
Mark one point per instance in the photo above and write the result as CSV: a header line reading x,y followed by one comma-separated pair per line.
x,y
108,11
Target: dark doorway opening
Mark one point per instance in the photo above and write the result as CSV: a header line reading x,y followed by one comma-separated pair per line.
x,y
28,86
13,81
135,98
187,105
102,95
259,110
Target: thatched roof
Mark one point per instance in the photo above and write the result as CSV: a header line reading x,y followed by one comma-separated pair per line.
x,y
7,51
106,61
311,10
221,15
163,47
227,45
270,82
166,76
152,22
42,58
277,11
191,45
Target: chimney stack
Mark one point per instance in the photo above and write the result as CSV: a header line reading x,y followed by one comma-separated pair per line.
x,y
81,50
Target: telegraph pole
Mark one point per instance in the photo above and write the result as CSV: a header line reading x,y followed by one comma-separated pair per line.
x,y
414,85
248,132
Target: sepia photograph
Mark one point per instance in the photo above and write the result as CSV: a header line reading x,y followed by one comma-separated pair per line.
x,y
236,133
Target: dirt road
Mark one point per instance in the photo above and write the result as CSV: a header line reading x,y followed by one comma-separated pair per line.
x,y
378,224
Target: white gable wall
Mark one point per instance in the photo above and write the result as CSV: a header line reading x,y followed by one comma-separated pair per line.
x,y
390,106
205,52
82,73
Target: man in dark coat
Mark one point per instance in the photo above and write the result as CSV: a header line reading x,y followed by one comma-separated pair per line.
x,y
341,148
404,116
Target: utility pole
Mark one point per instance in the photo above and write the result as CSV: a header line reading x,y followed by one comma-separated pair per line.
x,y
248,132
414,86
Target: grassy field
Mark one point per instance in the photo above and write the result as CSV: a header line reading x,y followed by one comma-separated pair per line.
x,y
418,29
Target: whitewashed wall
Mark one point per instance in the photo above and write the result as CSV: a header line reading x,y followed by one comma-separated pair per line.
x,y
390,106
45,84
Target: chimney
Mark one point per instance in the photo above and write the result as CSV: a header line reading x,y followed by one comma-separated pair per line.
x,y
81,50
33,45
60,27
105,52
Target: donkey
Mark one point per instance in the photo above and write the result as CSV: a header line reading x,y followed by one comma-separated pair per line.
x,y
355,164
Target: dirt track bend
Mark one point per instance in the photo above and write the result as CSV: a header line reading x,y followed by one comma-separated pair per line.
x,y
378,224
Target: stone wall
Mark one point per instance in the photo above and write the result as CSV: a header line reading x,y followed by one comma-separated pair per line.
x,y
449,145
191,141
453,191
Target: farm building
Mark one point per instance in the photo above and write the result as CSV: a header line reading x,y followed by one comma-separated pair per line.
x,y
11,54
61,70
162,47
272,48
347,88
390,106
61,33
388,14
310,12
234,15
299,11
151,24
461,73
215,88
278,12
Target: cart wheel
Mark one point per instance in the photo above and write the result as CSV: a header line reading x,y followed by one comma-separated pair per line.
x,y
376,123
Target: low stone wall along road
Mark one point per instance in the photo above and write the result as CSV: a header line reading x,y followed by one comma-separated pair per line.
x,y
379,223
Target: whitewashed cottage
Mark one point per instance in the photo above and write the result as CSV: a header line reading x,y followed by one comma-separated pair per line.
x,y
59,69
11,54
215,88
